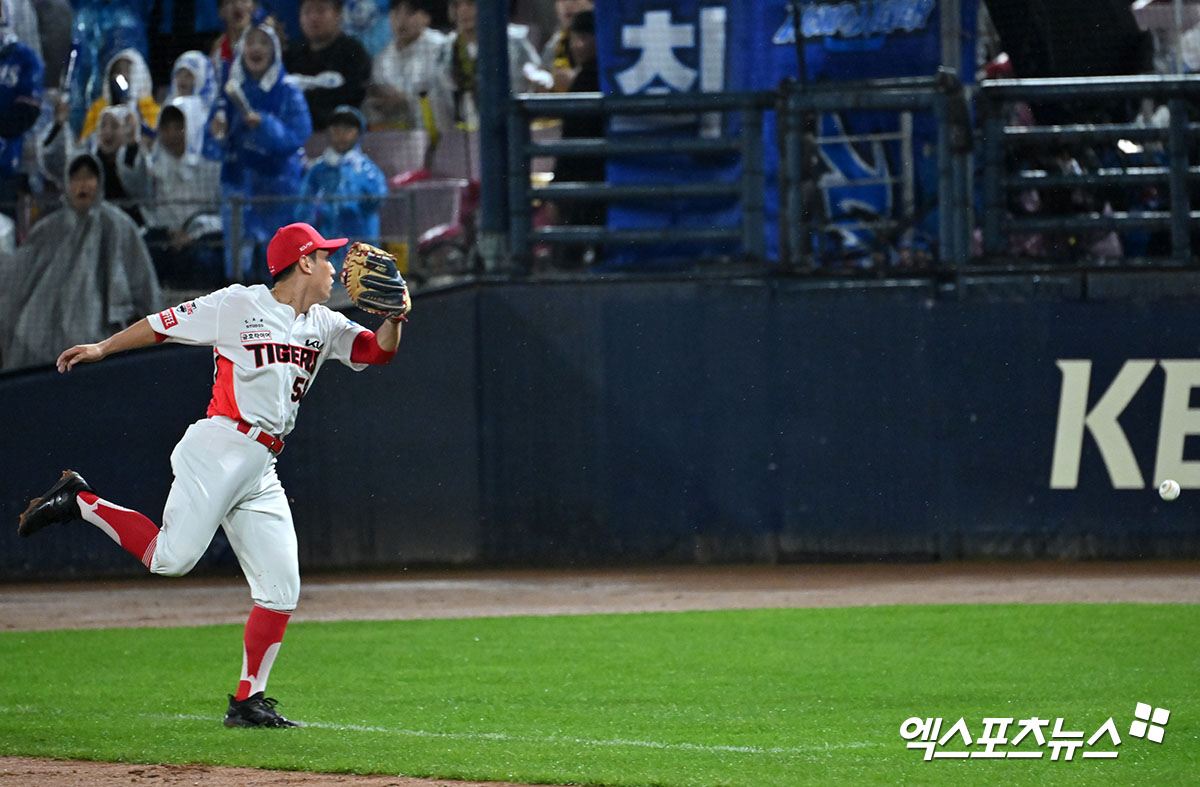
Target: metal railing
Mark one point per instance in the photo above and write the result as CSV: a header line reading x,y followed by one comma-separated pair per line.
x,y
406,214
997,159
402,220
943,95
1003,142
749,188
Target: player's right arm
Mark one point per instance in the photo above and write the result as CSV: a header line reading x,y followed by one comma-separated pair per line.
x,y
194,322
140,334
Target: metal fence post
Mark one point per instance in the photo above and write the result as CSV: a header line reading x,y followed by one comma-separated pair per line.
x,y
945,171
908,166
235,235
962,208
795,225
754,242
493,96
1177,141
519,173
993,173
412,240
958,127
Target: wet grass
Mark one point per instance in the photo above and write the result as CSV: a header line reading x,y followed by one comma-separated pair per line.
x,y
755,698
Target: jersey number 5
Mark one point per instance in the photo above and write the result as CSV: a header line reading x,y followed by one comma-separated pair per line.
x,y
299,388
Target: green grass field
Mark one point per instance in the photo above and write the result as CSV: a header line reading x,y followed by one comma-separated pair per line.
x,y
754,698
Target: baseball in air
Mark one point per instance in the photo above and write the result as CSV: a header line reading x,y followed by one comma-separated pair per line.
x,y
1168,490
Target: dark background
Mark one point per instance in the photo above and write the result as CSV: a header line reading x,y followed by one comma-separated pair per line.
x,y
644,421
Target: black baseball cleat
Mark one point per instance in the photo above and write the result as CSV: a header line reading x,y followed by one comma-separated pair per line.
x,y
256,711
55,507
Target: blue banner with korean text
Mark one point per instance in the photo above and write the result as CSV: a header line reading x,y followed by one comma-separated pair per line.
x,y
691,46
678,46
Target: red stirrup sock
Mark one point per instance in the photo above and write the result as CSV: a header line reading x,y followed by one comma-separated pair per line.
x,y
264,635
134,532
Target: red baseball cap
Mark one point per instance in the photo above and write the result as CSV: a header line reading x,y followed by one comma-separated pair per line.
x,y
293,242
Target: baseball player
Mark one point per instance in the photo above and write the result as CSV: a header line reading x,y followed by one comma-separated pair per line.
x,y
268,345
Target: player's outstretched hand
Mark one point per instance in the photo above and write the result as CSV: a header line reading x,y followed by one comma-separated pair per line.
x,y
80,353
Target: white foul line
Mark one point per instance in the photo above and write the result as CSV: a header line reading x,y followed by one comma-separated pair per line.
x,y
549,739
552,739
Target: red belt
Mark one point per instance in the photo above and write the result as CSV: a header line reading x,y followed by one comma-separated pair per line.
x,y
269,440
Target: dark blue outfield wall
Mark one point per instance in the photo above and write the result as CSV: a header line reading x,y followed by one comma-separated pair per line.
x,y
647,421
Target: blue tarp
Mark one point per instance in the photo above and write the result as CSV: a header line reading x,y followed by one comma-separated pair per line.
x,y
688,46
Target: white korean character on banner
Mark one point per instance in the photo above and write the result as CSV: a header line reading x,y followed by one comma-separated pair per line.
x,y
1111,729
1062,739
959,728
659,70
926,729
990,739
657,38
1034,725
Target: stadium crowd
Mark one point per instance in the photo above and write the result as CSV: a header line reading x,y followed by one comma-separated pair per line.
x,y
126,136
192,129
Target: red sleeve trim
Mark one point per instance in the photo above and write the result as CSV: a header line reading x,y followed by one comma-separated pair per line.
x,y
159,338
367,350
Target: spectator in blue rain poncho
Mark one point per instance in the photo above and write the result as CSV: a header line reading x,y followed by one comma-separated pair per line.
x,y
262,122
20,103
344,185
367,20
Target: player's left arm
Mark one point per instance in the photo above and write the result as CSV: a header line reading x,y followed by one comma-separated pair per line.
x,y
377,347
388,335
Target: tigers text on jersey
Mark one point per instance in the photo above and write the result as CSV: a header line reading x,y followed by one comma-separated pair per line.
x,y
265,355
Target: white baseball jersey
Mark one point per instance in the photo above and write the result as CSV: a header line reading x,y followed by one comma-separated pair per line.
x,y
265,355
